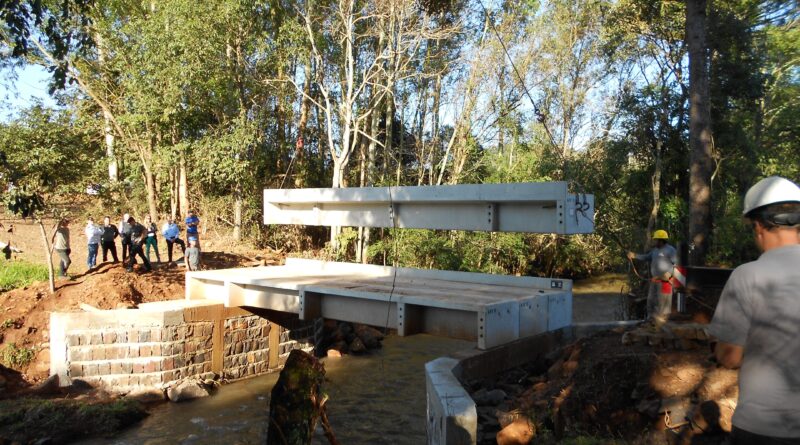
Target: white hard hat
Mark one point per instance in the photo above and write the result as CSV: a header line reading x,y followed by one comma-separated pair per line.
x,y
772,190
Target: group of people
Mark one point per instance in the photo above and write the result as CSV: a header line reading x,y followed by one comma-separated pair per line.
x,y
757,320
136,240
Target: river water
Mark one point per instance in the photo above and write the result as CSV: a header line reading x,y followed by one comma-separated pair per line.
x,y
374,399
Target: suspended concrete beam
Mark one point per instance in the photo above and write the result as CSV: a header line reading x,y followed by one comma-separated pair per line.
x,y
543,207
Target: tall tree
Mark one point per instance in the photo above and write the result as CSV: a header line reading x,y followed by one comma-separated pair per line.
x,y
701,164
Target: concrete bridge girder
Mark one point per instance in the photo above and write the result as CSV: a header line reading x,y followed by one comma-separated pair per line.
x,y
489,309
545,207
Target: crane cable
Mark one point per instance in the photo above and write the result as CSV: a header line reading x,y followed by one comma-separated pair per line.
x,y
581,205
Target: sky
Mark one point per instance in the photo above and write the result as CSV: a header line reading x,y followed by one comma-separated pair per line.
x,y
21,88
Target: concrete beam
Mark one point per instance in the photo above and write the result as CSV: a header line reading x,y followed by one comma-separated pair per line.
x,y
489,309
545,207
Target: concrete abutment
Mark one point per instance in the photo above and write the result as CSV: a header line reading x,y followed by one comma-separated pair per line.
x,y
148,348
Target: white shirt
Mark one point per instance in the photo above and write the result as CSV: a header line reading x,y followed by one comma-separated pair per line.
x,y
93,233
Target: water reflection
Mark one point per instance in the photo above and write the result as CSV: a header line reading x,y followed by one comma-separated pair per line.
x,y
375,399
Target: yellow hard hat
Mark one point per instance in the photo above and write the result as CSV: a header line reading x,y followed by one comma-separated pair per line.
x,y
660,234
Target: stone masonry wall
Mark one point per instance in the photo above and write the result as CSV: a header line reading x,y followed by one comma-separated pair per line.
x,y
123,358
124,350
247,345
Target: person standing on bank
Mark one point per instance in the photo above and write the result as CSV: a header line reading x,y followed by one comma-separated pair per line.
x,y
151,240
138,235
110,233
125,237
191,257
662,258
93,234
757,319
192,223
60,240
172,234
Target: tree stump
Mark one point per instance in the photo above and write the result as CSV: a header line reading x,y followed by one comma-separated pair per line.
x,y
297,402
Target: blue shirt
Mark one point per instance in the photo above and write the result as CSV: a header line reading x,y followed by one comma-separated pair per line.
x,y
170,231
191,224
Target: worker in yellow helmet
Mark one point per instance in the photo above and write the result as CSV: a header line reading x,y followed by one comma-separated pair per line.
x,y
662,260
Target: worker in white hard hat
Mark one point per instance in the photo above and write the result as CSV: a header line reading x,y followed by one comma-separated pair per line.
x,y
757,319
662,260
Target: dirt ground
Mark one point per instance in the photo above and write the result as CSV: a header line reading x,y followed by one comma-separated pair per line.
x,y
639,385
25,312
599,298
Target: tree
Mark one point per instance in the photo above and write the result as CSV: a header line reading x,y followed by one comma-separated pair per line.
x,y
701,164
45,159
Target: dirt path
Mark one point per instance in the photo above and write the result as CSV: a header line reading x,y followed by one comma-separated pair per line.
x,y
598,298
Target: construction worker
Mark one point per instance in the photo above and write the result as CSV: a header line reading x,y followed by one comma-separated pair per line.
x,y
757,319
662,260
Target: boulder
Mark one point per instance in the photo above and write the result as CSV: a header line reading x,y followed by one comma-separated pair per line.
x,y
209,376
357,346
345,328
518,432
333,353
491,398
186,390
369,335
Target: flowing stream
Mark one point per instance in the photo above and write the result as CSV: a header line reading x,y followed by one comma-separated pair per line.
x,y
374,399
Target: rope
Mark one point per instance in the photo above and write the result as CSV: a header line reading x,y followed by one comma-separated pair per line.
x,y
394,260
540,117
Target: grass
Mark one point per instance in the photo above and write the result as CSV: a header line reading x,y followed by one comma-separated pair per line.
x,y
16,357
14,274
61,421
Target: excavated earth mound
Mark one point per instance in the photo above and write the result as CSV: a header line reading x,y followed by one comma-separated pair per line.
x,y
642,385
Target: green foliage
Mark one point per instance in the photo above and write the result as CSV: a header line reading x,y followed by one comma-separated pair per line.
x,y
21,202
14,274
16,357
46,153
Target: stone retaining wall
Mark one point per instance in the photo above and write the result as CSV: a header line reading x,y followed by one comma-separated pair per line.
x,y
130,349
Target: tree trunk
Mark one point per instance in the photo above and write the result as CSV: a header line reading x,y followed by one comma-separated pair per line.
x,y
183,197
297,401
701,163
656,187
305,106
108,132
150,183
113,165
49,254
237,213
173,192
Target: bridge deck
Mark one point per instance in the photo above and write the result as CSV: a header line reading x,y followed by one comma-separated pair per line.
x,y
489,309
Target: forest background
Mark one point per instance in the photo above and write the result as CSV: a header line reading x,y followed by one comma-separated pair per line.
x,y
179,104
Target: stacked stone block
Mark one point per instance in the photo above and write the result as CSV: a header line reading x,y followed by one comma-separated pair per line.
x,y
122,359
125,350
247,351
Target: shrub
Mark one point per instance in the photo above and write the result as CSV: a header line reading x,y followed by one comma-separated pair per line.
x,y
13,356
